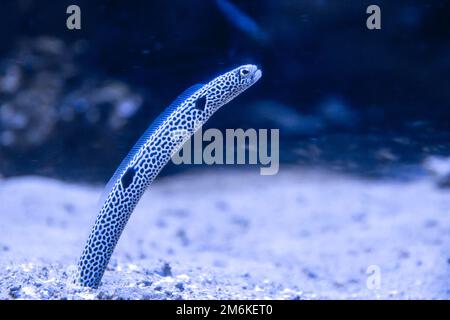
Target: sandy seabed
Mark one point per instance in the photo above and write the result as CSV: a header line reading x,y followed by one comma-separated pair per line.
x,y
233,234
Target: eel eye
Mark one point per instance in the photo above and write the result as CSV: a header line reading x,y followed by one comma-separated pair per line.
x,y
243,72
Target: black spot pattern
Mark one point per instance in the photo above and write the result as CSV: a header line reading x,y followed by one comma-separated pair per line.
x,y
200,104
145,166
127,177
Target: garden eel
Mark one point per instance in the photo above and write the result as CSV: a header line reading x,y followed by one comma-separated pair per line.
x,y
165,136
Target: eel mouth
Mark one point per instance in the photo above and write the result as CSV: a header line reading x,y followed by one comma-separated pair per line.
x,y
257,75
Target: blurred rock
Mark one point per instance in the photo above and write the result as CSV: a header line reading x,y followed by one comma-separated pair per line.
x,y
36,85
272,114
45,94
338,114
440,167
93,101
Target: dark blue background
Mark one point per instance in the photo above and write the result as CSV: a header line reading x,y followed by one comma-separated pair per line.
x,y
395,80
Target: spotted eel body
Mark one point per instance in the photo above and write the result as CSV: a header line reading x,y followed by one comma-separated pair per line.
x,y
154,149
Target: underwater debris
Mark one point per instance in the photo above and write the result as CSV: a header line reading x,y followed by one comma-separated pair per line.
x,y
241,21
165,270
